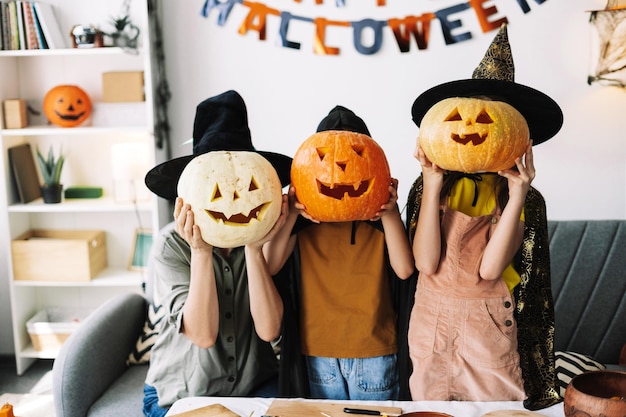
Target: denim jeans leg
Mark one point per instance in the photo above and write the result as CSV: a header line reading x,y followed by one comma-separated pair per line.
x,y
374,379
325,379
151,403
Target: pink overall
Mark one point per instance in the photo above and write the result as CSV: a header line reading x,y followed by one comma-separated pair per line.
x,y
462,333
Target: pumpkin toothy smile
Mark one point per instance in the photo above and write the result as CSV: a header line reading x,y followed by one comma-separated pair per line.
x,y
72,117
339,191
475,138
238,218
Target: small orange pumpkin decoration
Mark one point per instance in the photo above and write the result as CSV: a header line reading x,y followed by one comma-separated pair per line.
x,y
473,134
341,176
67,105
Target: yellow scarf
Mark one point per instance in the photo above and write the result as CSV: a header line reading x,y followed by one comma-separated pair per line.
x,y
482,191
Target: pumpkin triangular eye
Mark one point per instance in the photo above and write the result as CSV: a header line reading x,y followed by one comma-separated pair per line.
x,y
358,149
484,117
216,193
454,116
253,185
321,152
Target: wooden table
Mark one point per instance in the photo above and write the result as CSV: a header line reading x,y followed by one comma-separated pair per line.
x,y
257,407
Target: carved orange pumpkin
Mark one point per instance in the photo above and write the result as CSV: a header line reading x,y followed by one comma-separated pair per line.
x,y
473,134
67,105
341,176
235,197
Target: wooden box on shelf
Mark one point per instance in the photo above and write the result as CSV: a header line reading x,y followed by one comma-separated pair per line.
x,y
59,255
15,115
122,86
49,328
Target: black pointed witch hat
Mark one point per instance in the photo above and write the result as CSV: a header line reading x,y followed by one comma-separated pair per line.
x,y
495,77
221,124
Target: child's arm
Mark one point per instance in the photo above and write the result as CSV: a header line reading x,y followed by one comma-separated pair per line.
x,y
508,236
396,239
266,306
278,249
427,239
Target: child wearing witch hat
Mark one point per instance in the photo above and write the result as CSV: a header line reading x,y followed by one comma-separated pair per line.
x,y
222,308
482,324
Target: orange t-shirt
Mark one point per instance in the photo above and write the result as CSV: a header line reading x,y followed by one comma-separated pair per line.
x,y
346,307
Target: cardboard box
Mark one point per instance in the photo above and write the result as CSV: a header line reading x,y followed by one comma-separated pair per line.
x,y
59,255
122,86
49,328
15,115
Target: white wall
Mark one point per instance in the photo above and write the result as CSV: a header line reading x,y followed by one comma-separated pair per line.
x,y
581,172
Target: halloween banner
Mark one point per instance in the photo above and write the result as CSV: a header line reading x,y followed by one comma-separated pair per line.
x,y
404,29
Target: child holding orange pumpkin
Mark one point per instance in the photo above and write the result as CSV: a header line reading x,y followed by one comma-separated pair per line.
x,y
343,322
482,324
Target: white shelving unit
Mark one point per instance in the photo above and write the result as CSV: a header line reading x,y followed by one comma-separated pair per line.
x,y
29,74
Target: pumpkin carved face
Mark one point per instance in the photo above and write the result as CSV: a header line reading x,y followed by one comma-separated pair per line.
x,y
67,105
473,134
340,176
235,197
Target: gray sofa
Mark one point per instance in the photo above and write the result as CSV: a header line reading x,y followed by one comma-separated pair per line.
x,y
588,265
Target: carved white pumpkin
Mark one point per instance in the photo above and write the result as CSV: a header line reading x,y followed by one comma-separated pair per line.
x,y
235,196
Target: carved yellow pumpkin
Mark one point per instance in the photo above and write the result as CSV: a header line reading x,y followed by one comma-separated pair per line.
x,y
67,105
341,176
473,134
235,196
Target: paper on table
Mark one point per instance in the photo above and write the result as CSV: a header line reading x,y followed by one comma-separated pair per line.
x,y
315,408
513,413
214,410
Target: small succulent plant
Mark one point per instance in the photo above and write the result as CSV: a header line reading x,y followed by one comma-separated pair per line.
x,y
50,167
120,22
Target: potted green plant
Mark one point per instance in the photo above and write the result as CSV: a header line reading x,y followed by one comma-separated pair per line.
x,y
125,34
51,168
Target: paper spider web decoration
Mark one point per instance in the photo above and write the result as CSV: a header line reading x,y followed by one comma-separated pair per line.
x,y
610,54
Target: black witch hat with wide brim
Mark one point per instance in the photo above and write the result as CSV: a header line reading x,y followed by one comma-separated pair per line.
x,y
495,77
221,124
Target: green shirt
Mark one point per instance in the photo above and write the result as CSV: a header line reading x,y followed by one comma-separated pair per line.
x,y
238,362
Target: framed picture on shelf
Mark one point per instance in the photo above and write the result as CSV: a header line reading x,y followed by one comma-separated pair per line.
x,y
140,252
24,173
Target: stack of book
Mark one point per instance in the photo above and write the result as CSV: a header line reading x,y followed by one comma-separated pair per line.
x,y
29,25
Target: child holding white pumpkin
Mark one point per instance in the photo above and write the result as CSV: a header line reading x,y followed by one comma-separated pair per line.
x,y
343,323
222,306
482,325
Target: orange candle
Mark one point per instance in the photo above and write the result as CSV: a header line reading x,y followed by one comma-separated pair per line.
x,y
6,410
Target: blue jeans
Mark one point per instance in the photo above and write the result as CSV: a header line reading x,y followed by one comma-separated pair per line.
x,y
151,407
151,402
374,379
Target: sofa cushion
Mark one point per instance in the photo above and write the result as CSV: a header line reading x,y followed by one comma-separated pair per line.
x,y
124,397
151,328
570,364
